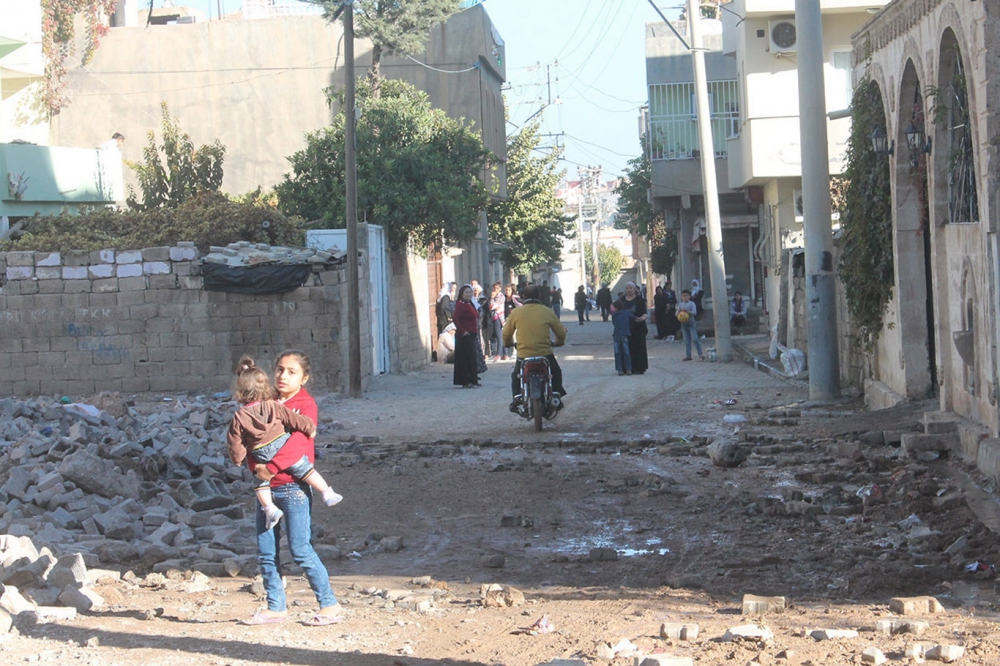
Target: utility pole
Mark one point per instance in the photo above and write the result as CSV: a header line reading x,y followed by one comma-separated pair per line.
x,y
351,178
713,219
821,304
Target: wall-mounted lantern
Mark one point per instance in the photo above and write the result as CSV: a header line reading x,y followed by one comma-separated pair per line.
x,y
916,141
880,142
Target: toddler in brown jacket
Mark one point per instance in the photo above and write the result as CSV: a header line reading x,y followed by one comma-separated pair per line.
x,y
261,427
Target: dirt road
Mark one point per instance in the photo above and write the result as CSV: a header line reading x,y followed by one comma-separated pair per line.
x,y
610,523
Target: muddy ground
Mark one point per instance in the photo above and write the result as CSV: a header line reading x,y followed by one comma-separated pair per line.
x,y
611,522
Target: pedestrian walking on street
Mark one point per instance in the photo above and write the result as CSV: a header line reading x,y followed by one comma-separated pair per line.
x,y
580,304
636,304
621,318
495,322
673,326
660,305
557,302
686,310
604,301
466,321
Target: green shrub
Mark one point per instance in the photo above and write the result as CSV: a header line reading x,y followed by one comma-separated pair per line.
x,y
207,219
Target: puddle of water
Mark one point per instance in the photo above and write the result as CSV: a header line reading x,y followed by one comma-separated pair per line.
x,y
582,544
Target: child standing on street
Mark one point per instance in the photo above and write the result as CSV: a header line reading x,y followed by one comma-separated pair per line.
x,y
260,427
686,311
622,318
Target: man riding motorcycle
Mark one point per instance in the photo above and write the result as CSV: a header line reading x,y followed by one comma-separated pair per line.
x,y
534,324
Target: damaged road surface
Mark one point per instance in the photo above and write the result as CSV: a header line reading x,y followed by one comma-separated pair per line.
x,y
641,527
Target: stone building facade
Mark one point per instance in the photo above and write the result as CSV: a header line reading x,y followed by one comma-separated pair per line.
x,y
937,66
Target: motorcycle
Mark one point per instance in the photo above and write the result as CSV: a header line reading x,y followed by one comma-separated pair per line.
x,y
537,400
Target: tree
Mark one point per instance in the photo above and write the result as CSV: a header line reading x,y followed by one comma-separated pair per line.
x,y
610,261
418,171
663,256
639,218
58,34
530,223
398,27
183,171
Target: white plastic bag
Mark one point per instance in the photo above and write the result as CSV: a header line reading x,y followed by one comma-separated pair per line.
x,y
792,360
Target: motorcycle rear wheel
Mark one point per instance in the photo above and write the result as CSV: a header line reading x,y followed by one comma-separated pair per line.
x,y
537,412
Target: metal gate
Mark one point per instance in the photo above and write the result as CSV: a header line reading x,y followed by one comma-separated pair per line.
x,y
378,284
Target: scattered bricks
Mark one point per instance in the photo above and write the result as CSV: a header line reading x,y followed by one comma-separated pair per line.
x,y
917,651
832,634
748,632
18,482
800,508
892,437
12,601
202,494
82,599
155,254
945,653
75,273
63,518
129,257
915,606
914,443
20,273
20,259
846,450
102,271
679,632
29,574
129,271
493,561
873,655
91,473
156,268
873,438
893,626
50,480
662,660
69,571
755,605
183,253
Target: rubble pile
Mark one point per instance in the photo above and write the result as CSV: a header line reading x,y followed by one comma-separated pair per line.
x,y
244,253
154,492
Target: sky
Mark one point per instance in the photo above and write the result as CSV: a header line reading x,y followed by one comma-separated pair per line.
x,y
587,56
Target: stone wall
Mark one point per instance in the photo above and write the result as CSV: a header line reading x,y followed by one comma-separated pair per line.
x,y
138,321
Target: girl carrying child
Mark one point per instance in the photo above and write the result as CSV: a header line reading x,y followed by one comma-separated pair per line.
x,y
261,427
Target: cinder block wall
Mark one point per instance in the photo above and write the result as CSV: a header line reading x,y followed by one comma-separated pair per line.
x,y
138,321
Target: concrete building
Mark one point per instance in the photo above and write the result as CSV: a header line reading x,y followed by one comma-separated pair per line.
x,y
937,66
40,176
672,142
255,80
765,155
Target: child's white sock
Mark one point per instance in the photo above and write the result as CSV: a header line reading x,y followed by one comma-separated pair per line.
x,y
331,497
272,515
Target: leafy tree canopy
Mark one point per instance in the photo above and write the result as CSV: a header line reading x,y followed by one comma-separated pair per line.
x,y
633,197
417,171
394,26
531,222
174,171
610,261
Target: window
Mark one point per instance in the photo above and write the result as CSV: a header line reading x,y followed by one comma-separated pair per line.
x,y
673,118
840,87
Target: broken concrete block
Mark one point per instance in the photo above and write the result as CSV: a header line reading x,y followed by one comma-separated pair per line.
x,y
82,599
872,655
892,626
202,494
12,601
725,452
662,660
69,570
6,621
52,613
755,605
945,653
832,634
93,475
750,632
679,632
915,606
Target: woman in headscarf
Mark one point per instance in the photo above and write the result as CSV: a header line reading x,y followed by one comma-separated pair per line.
x,y
445,306
466,321
696,295
633,301
660,306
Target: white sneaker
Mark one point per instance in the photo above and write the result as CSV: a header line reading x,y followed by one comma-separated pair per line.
x,y
331,497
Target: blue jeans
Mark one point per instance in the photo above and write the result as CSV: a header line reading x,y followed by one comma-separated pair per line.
x,y
623,358
296,501
690,331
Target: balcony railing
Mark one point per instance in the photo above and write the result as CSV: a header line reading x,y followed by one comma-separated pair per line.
x,y
673,126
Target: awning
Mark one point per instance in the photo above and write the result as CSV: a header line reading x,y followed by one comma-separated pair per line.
x,y
8,45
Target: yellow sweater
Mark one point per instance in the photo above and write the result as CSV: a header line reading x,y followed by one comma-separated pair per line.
x,y
534,324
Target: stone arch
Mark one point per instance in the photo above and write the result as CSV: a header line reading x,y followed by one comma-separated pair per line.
x,y
912,240
955,190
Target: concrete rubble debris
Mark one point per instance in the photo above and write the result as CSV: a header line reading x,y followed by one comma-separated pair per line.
x,y
891,627
873,655
679,632
493,595
915,606
832,634
725,452
945,653
755,605
748,632
663,660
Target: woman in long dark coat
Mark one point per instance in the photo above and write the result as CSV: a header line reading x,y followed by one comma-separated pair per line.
x,y
633,300
660,305
466,320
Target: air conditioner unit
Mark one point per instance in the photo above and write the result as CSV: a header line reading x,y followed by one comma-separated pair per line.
x,y
782,36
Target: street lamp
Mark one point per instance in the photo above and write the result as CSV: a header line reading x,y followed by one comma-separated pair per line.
x,y
915,140
880,142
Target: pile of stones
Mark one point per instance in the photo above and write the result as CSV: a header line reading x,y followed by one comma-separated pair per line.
x,y
154,492
244,253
